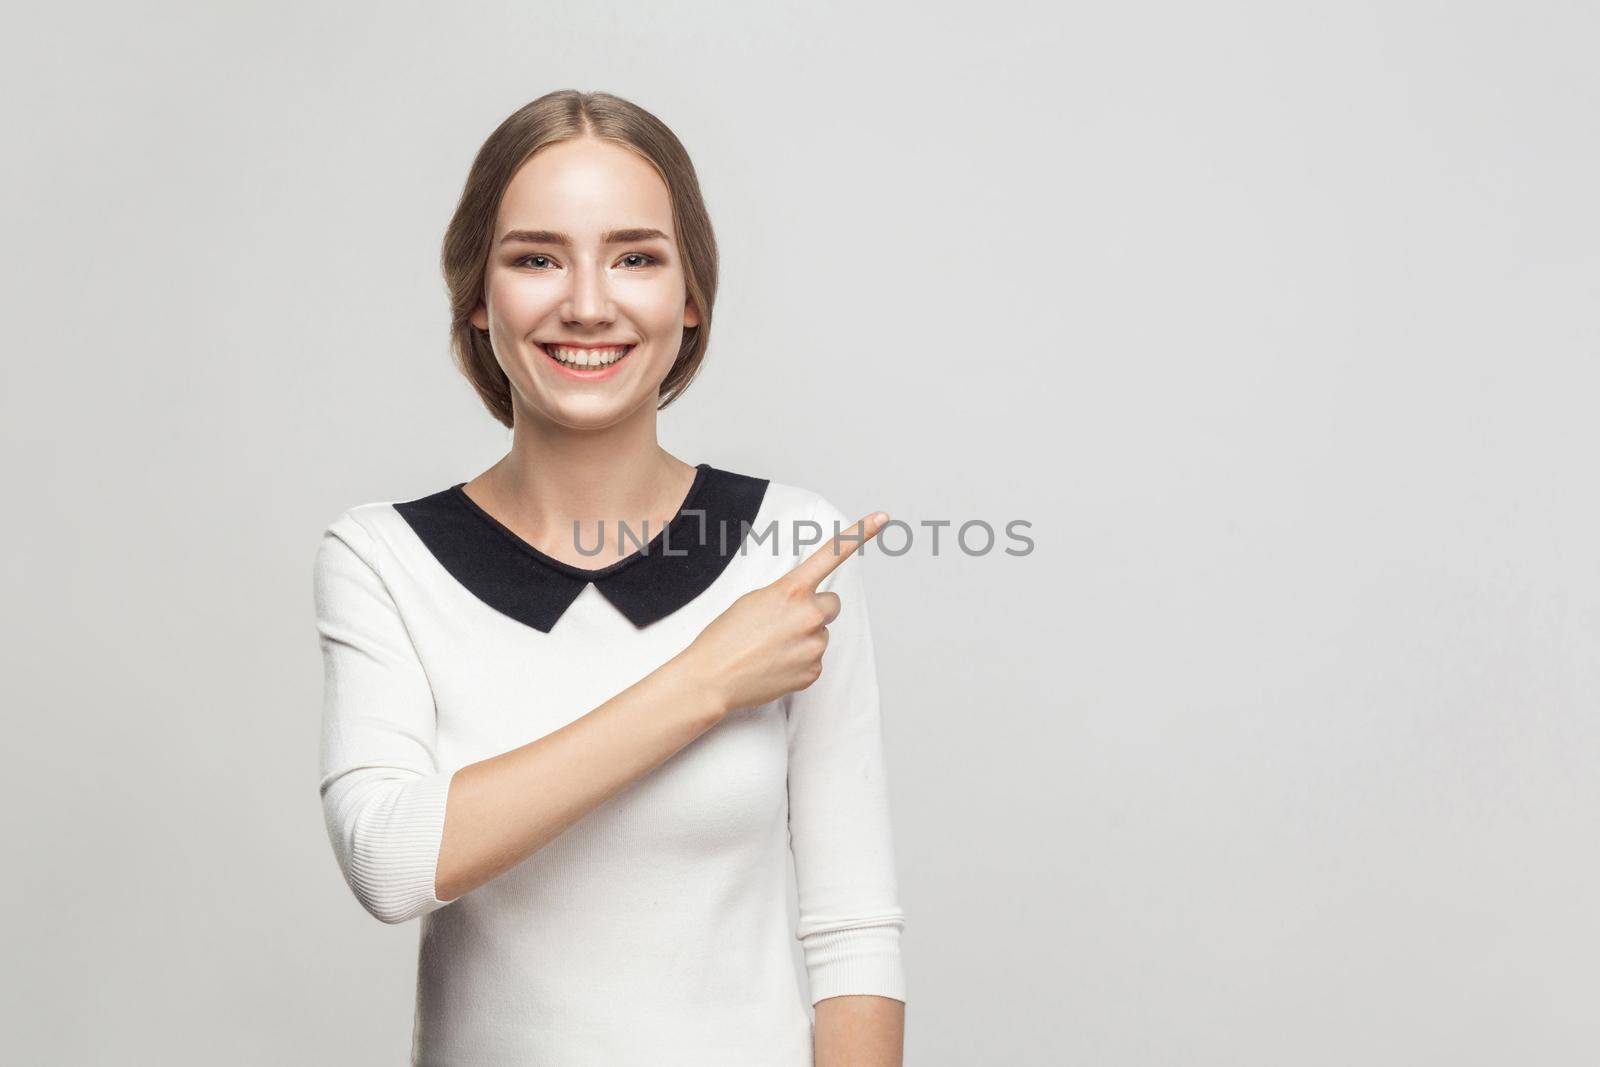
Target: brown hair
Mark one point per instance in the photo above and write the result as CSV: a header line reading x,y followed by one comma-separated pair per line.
x,y
555,117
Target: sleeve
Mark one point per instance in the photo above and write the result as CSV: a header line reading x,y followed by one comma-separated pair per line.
x,y
850,918
383,796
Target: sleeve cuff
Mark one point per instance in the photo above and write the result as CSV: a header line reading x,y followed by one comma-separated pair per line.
x,y
856,961
398,868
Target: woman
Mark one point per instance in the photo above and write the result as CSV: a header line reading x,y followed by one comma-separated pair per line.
x,y
582,760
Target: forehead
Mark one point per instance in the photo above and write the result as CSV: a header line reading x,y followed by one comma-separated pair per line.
x,y
585,187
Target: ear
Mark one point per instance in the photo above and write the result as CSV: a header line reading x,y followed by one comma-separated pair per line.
x,y
691,314
480,317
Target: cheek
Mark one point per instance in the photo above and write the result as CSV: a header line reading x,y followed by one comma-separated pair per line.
x,y
520,302
660,309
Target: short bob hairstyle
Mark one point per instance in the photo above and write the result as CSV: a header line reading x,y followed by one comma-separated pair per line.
x,y
560,116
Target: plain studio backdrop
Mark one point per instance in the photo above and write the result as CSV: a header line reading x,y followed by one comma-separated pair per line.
x,y
1278,327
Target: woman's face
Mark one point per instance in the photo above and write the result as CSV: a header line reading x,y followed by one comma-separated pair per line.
x,y
584,252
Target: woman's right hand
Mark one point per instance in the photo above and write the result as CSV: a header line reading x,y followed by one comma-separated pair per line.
x,y
770,641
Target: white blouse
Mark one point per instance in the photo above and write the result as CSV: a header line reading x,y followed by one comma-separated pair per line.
x,y
655,930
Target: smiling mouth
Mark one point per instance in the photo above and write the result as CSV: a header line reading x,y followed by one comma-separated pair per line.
x,y
587,359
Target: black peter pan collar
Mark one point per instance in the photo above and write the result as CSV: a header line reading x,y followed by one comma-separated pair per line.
x,y
518,580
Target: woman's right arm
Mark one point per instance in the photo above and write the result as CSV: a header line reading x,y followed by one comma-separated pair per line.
x,y
411,838
505,808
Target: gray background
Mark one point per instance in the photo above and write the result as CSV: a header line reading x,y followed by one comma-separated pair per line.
x,y
1278,326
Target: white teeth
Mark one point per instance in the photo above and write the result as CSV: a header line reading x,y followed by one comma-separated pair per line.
x,y
587,357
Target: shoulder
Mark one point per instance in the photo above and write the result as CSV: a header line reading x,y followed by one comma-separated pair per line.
x,y
366,531
800,518
790,501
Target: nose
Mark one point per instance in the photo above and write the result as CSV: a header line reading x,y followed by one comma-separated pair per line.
x,y
588,297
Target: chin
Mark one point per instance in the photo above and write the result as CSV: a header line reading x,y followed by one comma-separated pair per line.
x,y
592,411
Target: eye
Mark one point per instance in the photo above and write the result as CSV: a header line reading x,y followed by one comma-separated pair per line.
x,y
529,260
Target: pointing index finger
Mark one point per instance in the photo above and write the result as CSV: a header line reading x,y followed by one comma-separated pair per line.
x,y
836,550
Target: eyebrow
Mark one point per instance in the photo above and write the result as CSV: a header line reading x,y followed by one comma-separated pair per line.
x,y
552,237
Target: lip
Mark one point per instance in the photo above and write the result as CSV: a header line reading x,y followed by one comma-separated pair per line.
x,y
598,374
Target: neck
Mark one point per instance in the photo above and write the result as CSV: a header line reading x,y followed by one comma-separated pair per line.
x,y
554,477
